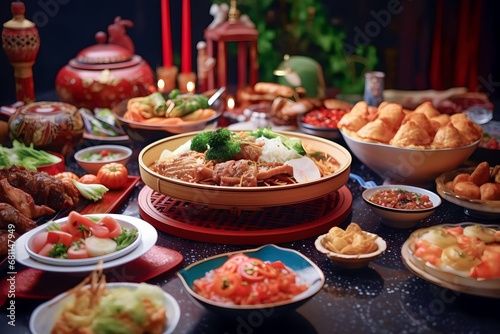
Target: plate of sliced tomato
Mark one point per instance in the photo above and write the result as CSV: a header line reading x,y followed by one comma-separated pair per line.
x,y
78,242
270,279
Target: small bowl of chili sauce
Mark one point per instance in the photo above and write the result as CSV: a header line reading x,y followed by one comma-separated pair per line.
x,y
321,122
401,206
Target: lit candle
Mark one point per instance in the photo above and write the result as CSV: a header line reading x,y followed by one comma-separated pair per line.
x,y
161,85
230,104
186,37
190,87
166,34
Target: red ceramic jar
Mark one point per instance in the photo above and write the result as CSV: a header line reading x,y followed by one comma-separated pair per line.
x,y
52,126
103,75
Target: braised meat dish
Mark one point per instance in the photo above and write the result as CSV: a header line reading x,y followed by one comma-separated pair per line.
x,y
44,188
26,195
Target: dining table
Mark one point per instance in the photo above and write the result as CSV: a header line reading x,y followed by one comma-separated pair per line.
x,y
384,297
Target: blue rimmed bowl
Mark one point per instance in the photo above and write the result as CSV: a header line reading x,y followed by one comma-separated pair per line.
x,y
308,273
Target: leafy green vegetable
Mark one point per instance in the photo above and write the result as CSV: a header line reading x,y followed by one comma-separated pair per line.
x,y
60,251
127,237
26,156
92,192
291,143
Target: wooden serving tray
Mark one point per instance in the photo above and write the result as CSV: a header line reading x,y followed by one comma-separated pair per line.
x,y
244,227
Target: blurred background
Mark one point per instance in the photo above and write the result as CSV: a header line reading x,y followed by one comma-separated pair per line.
x,y
424,44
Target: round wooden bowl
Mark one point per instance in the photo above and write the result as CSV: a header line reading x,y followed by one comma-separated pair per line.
x,y
244,197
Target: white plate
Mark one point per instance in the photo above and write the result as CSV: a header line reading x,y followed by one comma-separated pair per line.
x,y
148,240
124,221
43,317
450,279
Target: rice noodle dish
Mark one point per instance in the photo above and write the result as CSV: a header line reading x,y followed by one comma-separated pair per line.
x,y
245,159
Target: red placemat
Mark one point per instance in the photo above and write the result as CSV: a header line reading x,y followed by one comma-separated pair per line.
x,y
37,284
267,225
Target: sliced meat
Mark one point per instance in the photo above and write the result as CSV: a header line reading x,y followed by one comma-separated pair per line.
x,y
267,171
10,215
22,201
249,152
239,173
183,167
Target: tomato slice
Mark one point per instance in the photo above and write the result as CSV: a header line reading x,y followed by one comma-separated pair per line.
x,y
231,265
254,270
45,251
78,251
64,227
226,285
39,241
55,237
75,220
114,228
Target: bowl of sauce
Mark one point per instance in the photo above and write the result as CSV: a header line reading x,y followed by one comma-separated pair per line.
x,y
401,206
93,158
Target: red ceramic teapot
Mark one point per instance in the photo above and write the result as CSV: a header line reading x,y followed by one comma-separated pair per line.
x,y
105,74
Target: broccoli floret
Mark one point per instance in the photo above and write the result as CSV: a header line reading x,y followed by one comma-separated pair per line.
x,y
219,145
290,143
223,145
264,132
294,144
199,143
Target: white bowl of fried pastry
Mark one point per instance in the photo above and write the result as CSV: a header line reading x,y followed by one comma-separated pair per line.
x,y
409,146
351,248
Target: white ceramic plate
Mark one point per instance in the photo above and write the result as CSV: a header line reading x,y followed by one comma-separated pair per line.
x,y
148,240
448,278
43,317
124,221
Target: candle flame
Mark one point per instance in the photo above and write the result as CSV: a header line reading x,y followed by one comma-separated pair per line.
x,y
161,85
230,103
190,87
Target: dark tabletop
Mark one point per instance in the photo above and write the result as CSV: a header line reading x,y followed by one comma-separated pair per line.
x,y
385,297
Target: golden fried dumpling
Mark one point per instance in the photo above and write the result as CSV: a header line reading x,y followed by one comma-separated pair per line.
x,y
427,109
392,114
448,136
422,120
376,131
439,121
468,128
356,118
411,134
